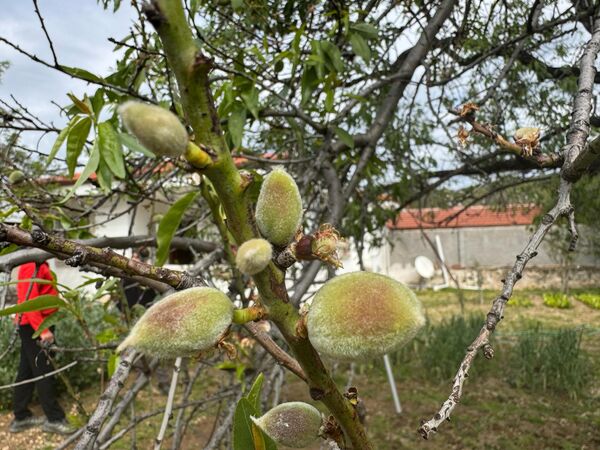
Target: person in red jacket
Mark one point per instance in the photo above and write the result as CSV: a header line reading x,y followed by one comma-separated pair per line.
x,y
34,361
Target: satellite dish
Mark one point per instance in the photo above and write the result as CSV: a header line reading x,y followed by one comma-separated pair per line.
x,y
424,267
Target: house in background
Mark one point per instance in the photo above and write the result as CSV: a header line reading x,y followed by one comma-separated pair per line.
x,y
479,244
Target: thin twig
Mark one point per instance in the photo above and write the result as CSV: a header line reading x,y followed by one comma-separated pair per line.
x,y
169,406
41,377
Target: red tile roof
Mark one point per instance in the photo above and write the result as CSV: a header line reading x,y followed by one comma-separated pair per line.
x,y
459,217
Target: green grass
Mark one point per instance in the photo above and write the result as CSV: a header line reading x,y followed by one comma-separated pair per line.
x,y
550,361
592,300
520,301
557,300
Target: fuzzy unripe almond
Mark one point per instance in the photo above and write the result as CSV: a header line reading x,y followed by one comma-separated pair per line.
x,y
279,208
16,176
362,315
182,324
157,129
253,256
293,424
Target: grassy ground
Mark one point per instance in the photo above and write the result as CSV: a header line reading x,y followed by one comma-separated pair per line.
x,y
501,409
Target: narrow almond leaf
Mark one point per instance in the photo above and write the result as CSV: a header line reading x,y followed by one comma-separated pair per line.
x,y
242,425
60,139
235,125
76,141
111,149
366,29
81,105
88,170
169,225
345,137
35,304
253,395
47,323
360,47
82,73
132,144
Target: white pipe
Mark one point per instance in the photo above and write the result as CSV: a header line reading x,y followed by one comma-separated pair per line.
x,y
390,375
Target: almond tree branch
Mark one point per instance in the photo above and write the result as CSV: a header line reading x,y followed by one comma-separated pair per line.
x,y
121,242
77,254
106,400
576,140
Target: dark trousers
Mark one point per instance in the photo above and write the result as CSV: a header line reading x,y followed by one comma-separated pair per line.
x,y
33,364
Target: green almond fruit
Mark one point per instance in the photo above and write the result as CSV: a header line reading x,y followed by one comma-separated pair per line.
x,y
292,424
362,315
279,208
182,324
253,256
16,177
157,129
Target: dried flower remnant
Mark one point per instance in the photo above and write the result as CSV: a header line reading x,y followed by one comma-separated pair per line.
x,y
462,136
325,243
468,109
528,138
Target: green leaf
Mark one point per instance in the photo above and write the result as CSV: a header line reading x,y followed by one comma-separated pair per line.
x,y
242,425
366,29
88,170
35,304
237,4
82,74
360,47
112,364
253,395
345,137
132,144
169,224
107,335
333,56
250,98
60,139
104,176
309,82
82,106
235,125
76,141
47,323
110,149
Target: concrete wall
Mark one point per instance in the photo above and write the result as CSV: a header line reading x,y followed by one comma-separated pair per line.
x,y
484,247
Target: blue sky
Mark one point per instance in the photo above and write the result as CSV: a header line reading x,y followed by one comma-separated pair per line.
x,y
79,30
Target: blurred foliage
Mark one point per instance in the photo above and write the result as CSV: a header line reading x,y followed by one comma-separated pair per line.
x,y
592,300
557,300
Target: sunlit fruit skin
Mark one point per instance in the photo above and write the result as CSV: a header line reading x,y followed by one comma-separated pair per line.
x,y
254,256
279,208
157,129
362,315
182,324
292,424
16,176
